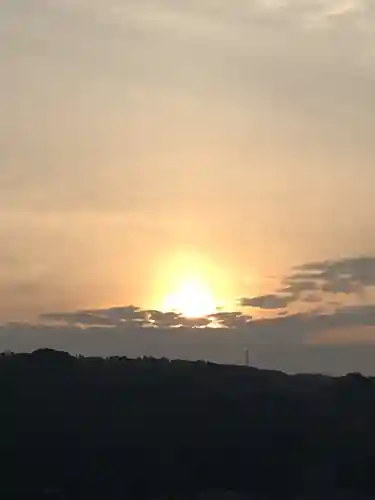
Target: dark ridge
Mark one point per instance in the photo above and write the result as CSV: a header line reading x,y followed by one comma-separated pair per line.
x,y
118,428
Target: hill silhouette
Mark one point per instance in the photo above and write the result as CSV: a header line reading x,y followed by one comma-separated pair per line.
x,y
118,428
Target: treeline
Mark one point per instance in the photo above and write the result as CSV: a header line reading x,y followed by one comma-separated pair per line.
x,y
146,429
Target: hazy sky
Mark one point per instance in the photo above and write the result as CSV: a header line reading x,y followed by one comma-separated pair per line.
x,y
234,136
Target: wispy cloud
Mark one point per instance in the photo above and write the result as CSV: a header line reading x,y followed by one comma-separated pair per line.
x,y
302,342
266,301
313,281
325,7
329,336
344,7
348,275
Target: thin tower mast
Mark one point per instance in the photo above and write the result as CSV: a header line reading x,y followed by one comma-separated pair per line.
x,y
246,356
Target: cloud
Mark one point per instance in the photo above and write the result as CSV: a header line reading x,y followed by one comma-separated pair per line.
x,y
124,317
296,287
285,340
350,316
359,268
76,318
348,275
312,281
113,316
266,301
231,319
309,284
290,327
312,298
287,343
344,7
314,7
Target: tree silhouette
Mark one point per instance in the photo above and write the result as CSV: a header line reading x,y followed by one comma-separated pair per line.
x,y
75,427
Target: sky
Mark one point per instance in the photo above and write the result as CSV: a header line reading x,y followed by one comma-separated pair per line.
x,y
159,152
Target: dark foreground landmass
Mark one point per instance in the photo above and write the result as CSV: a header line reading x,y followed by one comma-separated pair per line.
x,y
92,428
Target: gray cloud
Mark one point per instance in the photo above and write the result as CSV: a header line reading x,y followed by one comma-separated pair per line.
x,y
266,301
349,275
295,288
286,341
311,298
76,318
125,317
231,319
277,343
310,281
292,327
113,316
360,269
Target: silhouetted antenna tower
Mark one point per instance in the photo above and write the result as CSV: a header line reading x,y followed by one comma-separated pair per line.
x,y
246,357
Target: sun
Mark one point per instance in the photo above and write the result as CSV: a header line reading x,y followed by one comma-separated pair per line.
x,y
191,284
192,298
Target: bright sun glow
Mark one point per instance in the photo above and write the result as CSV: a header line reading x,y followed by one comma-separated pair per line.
x,y
192,299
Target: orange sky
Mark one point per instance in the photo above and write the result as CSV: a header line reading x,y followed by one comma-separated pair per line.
x,y
240,135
